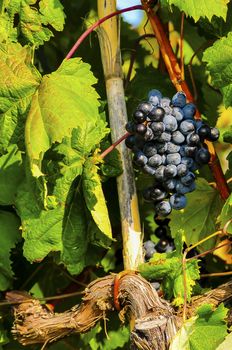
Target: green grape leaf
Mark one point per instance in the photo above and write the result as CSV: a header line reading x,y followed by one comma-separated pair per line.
x,y
227,344
198,219
18,82
94,197
202,332
11,175
169,267
220,66
65,100
34,23
226,215
10,235
227,136
205,8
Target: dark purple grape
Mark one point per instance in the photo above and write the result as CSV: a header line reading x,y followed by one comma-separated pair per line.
x,y
145,107
160,231
170,171
158,194
130,141
139,116
187,161
157,114
161,147
202,156
140,159
204,131
193,139
141,129
161,246
189,151
170,184
214,134
148,136
147,194
157,128
161,222
130,127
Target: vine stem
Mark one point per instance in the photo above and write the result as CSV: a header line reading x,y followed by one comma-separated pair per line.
x,y
97,24
109,40
174,72
114,145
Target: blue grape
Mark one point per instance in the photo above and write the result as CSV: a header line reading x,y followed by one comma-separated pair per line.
x,y
178,201
163,208
165,102
159,174
170,184
155,160
158,194
149,149
188,179
179,99
189,110
177,137
172,148
187,161
182,170
178,113
170,123
164,137
187,126
148,136
173,158
154,96
182,189
170,171
145,107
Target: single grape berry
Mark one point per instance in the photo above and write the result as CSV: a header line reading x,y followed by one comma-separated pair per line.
x,y
214,134
204,131
154,96
159,174
178,201
161,246
165,102
186,126
155,160
188,179
170,184
164,137
130,127
193,139
170,171
157,128
145,107
177,137
160,232
178,113
172,147
182,170
149,149
173,158
170,123
158,194
163,208
130,141
161,222
141,129
140,159
189,110
157,114
139,116
148,169
202,156
148,136
179,99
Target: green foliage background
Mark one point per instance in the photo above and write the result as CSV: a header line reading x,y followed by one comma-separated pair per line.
x,y
59,215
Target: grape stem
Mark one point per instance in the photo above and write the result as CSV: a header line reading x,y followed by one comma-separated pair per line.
x,y
174,72
114,145
97,24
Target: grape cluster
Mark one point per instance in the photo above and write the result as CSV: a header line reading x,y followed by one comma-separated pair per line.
x,y
169,144
165,243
